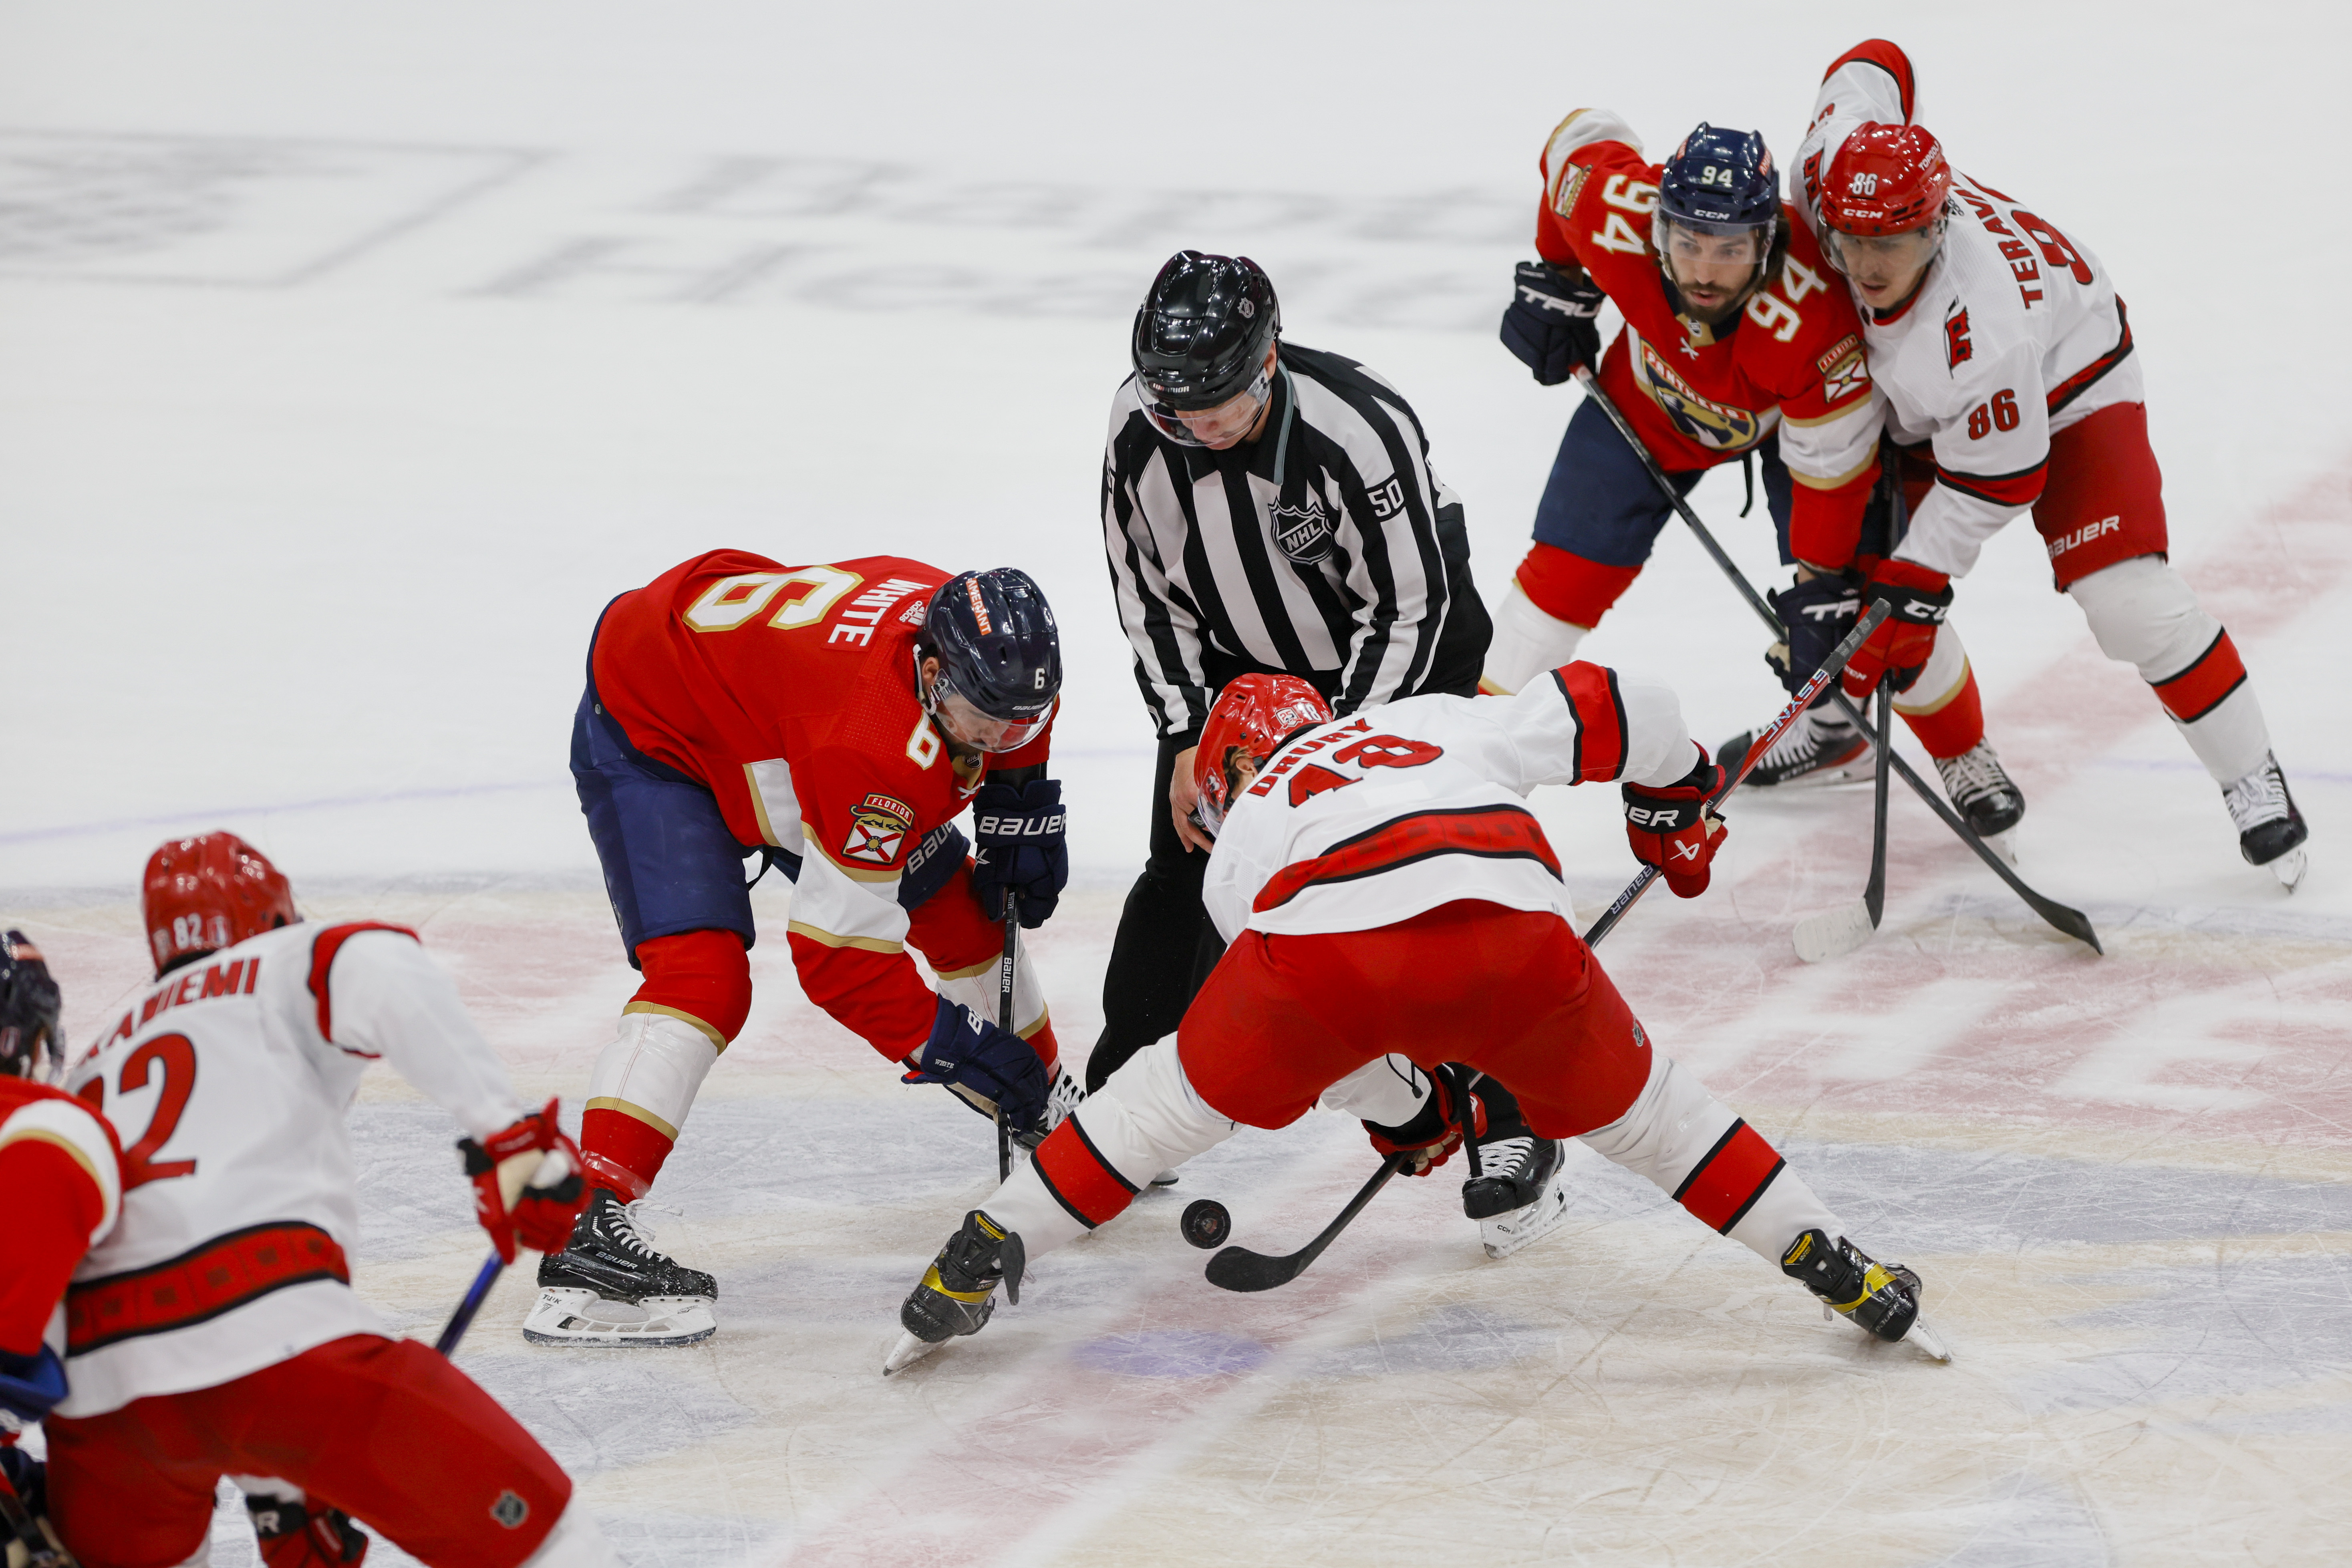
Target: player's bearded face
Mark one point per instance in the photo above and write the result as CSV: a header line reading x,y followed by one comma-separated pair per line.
x,y
967,726
1711,271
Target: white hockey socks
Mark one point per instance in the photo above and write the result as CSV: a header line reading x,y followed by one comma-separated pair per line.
x,y
2144,615
979,988
1526,643
1148,1119
1689,1145
652,1070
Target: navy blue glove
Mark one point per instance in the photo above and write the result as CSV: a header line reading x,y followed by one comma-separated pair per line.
x,y
1018,830
1818,615
981,1062
1550,323
29,1384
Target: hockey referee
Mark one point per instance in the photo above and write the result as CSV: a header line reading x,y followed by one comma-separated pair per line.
x,y
1267,508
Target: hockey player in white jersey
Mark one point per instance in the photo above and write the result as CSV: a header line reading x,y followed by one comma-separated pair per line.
x,y
1391,906
213,1331
2000,343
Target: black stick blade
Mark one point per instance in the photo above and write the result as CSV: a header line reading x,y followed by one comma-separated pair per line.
x,y
1239,1268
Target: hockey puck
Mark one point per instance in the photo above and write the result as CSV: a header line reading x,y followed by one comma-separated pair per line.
x,y
1206,1224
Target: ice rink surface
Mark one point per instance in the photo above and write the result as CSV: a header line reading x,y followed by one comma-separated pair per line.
x,y
350,360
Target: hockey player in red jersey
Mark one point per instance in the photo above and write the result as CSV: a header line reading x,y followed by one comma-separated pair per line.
x,y
1738,342
835,720
2006,359
1392,904
212,1330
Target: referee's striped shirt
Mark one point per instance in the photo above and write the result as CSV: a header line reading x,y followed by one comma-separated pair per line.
x,y
1327,548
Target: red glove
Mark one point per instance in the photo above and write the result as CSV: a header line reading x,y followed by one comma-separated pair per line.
x,y
1917,600
527,1183
1671,828
1435,1132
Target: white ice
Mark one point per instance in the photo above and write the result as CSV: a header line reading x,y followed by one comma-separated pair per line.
x,y
350,360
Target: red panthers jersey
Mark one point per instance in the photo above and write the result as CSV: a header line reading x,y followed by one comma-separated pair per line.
x,y
1700,396
61,1167
789,692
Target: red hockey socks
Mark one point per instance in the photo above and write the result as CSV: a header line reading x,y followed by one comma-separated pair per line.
x,y
1570,588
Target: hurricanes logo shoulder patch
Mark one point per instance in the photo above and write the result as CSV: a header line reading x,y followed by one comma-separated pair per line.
x,y
879,826
1303,532
1957,346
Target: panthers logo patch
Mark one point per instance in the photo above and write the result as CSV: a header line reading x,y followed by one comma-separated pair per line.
x,y
877,830
1716,426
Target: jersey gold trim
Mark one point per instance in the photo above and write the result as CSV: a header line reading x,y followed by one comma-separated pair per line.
x,y
607,1102
827,939
716,1039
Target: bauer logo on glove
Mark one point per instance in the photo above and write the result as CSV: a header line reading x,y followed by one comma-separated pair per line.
x,y
1671,827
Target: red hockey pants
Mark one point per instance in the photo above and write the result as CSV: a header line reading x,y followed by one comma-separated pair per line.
x,y
387,1430
1510,991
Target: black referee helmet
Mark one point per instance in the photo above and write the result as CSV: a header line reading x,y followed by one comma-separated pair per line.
x,y
1202,332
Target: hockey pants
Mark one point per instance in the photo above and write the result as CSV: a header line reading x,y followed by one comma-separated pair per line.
x,y
1351,1020
387,1430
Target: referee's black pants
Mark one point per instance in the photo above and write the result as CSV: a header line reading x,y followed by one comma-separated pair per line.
x,y
1166,943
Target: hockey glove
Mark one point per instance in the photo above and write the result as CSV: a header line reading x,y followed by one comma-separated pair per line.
x,y
290,1535
1435,1130
1917,601
29,1384
1671,828
1019,829
527,1185
1817,614
1550,324
993,1068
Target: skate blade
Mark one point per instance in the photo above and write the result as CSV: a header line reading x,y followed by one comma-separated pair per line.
x,y
2003,844
1166,1179
2290,866
569,1316
1833,933
1927,1340
1505,1234
906,1353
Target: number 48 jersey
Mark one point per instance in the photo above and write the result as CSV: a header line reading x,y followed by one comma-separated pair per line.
x,y
1375,819
226,1082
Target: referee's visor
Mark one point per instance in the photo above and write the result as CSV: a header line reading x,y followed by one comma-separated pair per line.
x,y
1217,427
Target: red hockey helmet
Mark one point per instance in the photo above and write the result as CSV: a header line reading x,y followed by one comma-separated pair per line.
x,y
203,894
1885,179
1255,714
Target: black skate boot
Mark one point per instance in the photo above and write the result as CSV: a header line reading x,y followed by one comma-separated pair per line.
x,y
1514,1189
1820,748
1981,790
2270,829
609,1287
1883,1298
956,1293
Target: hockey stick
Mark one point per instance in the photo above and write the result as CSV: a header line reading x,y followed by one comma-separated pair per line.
x,y
1813,686
479,1291
2072,921
1004,1022
39,1552
1239,1268
1836,932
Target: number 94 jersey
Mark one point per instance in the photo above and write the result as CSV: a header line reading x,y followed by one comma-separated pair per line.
x,y
1394,810
227,1081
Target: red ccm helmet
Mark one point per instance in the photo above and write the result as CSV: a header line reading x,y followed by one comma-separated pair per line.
x,y
201,895
1257,714
1884,180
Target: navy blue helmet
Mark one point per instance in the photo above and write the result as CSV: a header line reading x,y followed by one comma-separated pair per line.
x,y
1720,182
1000,659
29,1003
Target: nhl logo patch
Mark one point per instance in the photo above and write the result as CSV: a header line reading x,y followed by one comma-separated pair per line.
x,y
1303,532
877,828
511,1511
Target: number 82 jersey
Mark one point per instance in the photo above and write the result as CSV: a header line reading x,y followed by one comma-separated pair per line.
x,y
1377,817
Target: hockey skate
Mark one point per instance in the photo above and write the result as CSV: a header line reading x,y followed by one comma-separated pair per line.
x,y
1066,1096
1516,1189
609,1287
1819,749
956,1293
1983,794
2270,831
1882,1299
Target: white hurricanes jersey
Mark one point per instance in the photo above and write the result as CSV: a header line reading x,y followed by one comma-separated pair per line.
x,y
2015,333
226,1082
1375,819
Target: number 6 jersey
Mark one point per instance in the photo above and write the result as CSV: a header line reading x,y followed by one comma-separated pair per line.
x,y
226,1082
1369,820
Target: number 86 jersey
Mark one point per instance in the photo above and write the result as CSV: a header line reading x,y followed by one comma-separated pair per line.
x,y
1394,810
227,1081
